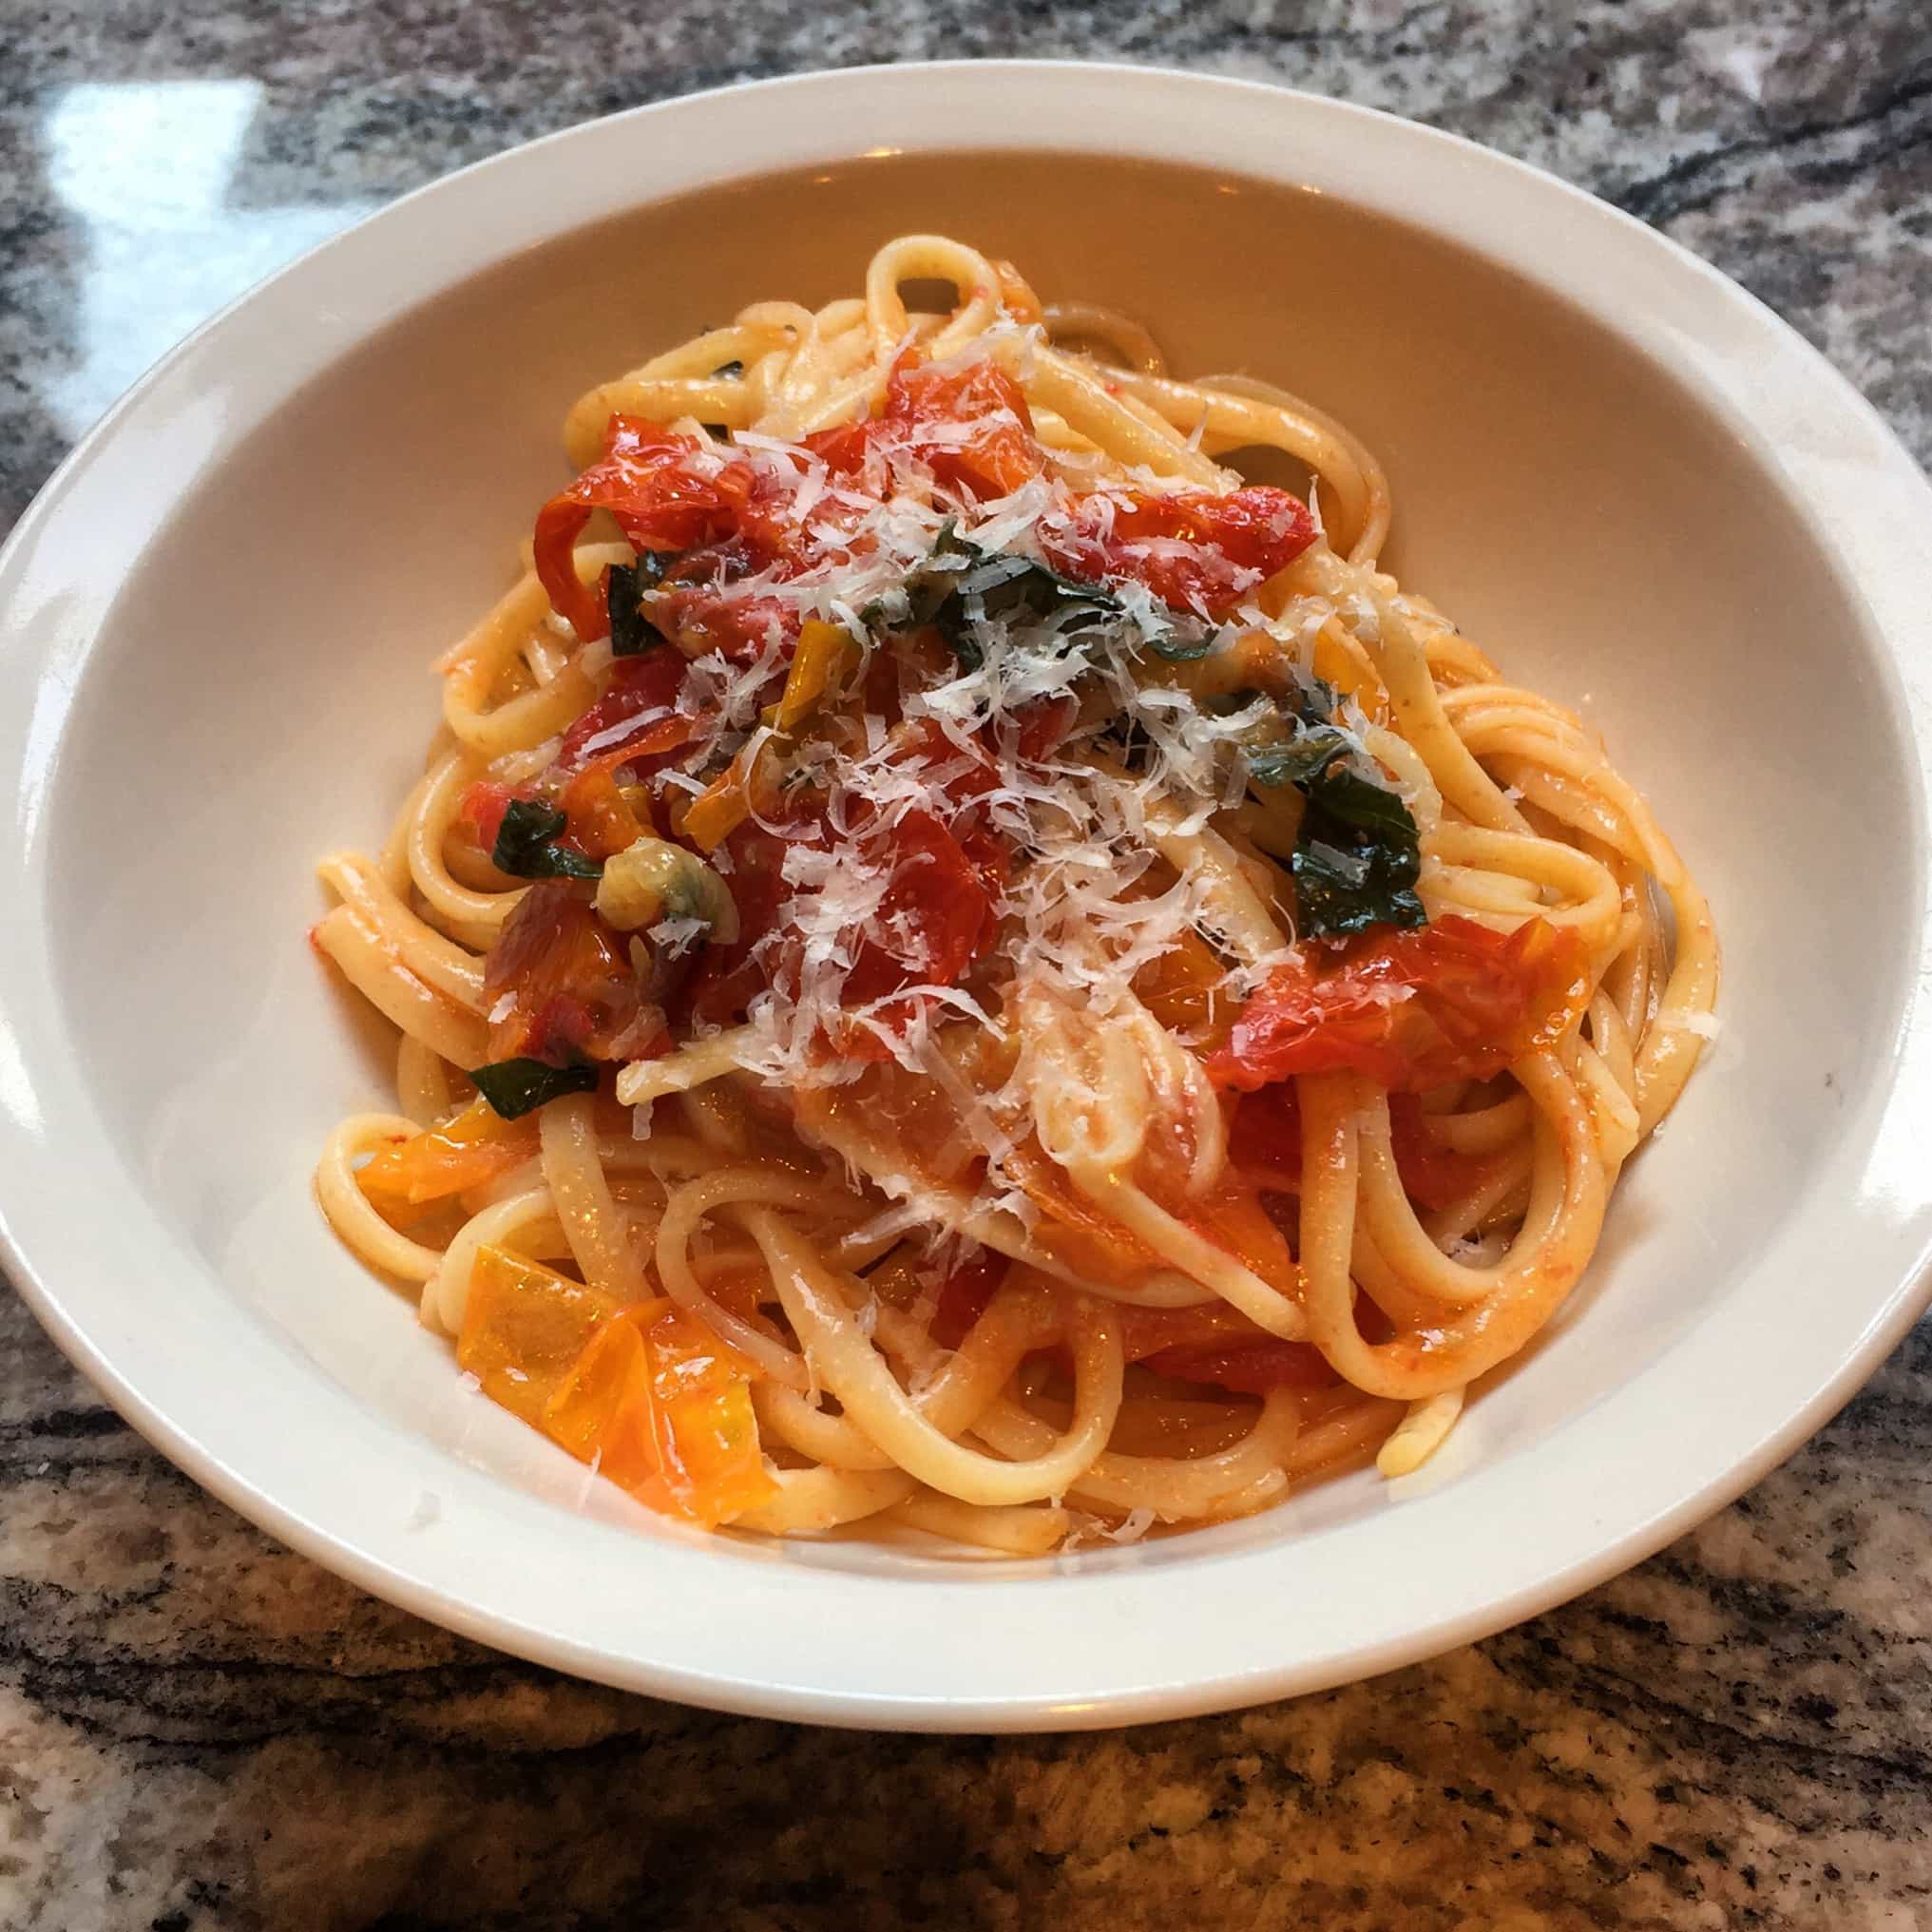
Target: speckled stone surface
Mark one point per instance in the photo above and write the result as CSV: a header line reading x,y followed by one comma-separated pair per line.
x,y
200,1729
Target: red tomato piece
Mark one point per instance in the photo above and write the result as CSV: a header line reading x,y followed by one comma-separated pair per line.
x,y
647,480
935,910
1248,1367
1265,1139
1000,451
727,978
1432,1175
1412,1010
964,1293
1195,550
642,693
570,979
969,426
483,806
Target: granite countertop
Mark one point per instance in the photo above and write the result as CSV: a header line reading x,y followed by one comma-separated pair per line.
x,y
199,1729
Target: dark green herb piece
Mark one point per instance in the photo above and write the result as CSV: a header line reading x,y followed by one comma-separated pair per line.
x,y
994,585
1356,866
1357,854
1184,644
631,632
718,431
524,845
1300,759
513,1087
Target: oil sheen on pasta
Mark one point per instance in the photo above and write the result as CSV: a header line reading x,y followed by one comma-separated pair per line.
x,y
961,968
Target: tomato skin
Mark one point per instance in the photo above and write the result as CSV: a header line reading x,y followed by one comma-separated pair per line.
x,y
964,1293
998,453
569,976
1254,1367
1234,542
1453,1000
659,503
643,689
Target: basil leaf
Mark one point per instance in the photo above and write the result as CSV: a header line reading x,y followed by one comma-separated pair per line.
x,y
513,1087
950,544
1184,647
631,632
1357,856
524,849
1298,760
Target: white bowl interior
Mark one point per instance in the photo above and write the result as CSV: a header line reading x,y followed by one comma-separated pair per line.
x,y
261,693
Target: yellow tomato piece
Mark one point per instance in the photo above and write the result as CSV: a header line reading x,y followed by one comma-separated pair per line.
x,y
604,1409
720,1468
524,1327
477,1146
824,649
726,802
1185,989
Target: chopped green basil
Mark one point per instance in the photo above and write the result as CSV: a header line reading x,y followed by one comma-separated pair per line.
x,y
1300,759
525,845
1184,644
631,632
513,1087
1349,876
1357,854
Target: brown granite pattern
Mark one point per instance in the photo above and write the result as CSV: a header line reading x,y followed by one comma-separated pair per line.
x,y
199,1730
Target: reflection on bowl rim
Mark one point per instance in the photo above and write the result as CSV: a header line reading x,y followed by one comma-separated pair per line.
x,y
1069,1657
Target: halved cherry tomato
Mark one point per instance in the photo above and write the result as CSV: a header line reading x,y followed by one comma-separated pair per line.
x,y
1449,1001
1192,549
570,980
969,426
647,482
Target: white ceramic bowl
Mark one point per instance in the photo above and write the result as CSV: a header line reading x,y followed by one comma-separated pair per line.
x,y
1643,491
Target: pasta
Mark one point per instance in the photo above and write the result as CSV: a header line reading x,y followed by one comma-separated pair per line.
x,y
959,966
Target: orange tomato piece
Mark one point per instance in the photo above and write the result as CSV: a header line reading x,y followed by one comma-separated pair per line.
x,y
475,1147
714,1468
600,820
663,1408
1186,990
604,1409
524,1327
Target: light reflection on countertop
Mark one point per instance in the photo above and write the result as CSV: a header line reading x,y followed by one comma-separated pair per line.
x,y
146,170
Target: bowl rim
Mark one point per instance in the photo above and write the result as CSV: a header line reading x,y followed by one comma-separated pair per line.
x,y
1026,1655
